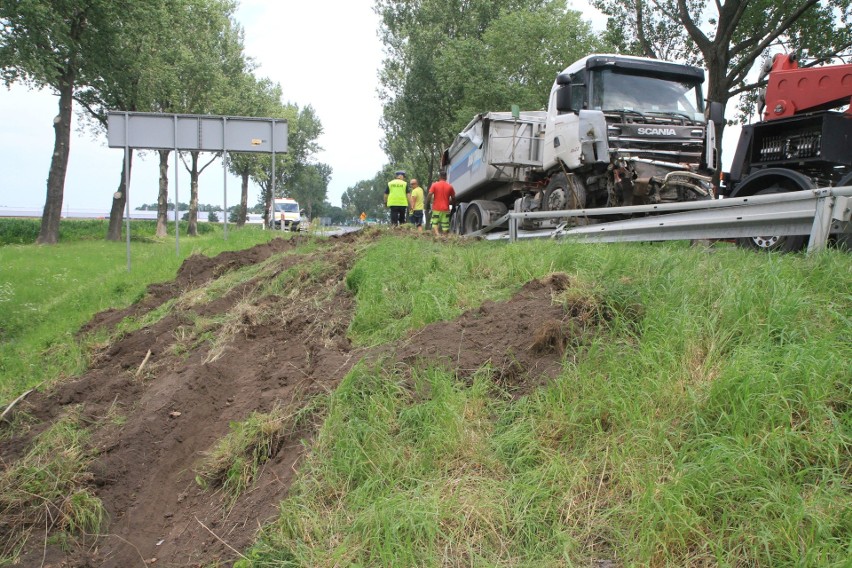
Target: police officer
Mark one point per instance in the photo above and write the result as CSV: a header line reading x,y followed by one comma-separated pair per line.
x,y
397,197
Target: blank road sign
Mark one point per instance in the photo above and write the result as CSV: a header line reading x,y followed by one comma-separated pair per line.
x,y
196,132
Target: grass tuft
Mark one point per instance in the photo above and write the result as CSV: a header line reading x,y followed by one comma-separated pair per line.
x,y
46,490
234,462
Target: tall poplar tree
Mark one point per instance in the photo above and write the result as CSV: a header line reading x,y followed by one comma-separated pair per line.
x,y
447,61
61,45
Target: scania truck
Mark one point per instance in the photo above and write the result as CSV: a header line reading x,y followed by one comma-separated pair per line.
x,y
618,130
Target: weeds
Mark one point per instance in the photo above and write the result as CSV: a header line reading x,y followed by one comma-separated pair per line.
x,y
233,464
46,490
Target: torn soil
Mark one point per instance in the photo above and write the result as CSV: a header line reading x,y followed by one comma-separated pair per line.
x,y
160,396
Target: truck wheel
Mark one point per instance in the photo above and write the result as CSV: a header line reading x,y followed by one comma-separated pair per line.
x,y
472,220
769,243
560,195
479,213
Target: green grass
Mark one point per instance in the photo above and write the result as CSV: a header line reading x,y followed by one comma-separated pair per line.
x,y
25,231
46,490
709,425
48,292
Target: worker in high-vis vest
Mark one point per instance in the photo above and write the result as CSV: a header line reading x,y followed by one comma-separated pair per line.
x,y
398,198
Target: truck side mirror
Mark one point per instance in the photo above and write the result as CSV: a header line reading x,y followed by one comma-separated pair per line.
x,y
716,113
563,99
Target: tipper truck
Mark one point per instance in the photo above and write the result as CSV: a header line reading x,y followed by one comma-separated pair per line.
x,y
618,130
800,144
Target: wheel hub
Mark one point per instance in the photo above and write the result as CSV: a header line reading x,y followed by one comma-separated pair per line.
x,y
766,242
556,201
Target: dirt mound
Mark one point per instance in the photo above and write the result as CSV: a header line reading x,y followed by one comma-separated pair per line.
x,y
195,271
172,388
523,340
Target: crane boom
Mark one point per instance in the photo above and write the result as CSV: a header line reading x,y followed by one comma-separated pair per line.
x,y
793,90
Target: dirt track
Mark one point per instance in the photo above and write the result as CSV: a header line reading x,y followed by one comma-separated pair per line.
x,y
282,348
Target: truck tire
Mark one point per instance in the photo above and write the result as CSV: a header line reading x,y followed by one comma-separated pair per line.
x,y
560,194
472,220
773,243
480,213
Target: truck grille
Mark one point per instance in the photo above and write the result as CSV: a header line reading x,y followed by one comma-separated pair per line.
x,y
679,144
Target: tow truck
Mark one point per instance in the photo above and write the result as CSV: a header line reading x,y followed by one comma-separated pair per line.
x,y
801,143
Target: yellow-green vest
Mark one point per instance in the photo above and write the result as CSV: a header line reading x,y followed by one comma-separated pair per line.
x,y
396,193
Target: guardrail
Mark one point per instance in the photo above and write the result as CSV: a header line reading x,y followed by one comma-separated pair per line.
x,y
817,212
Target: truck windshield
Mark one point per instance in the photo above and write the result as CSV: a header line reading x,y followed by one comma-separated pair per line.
x,y
615,90
287,207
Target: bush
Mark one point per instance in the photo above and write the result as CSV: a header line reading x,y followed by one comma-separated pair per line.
x,y
18,231
25,231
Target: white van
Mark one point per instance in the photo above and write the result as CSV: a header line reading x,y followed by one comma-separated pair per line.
x,y
287,210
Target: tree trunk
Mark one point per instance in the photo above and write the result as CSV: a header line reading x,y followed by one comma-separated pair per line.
x,y
241,216
49,233
192,230
116,212
718,92
267,204
163,195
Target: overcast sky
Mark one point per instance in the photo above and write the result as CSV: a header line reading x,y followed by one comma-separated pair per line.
x,y
324,53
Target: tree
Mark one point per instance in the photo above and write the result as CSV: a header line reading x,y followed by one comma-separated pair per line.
x,y
304,128
337,215
366,196
215,84
448,61
60,45
261,98
310,186
728,37
201,60
139,74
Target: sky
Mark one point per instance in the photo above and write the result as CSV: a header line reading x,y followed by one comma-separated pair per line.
x,y
324,53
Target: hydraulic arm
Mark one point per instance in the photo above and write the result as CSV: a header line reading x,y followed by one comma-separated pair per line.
x,y
793,90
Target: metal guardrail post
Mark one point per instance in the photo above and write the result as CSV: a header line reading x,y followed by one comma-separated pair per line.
x,y
513,228
822,220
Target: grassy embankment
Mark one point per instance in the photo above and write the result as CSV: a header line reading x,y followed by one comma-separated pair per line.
x,y
709,424
48,292
711,428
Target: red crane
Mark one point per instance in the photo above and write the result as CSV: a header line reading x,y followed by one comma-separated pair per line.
x,y
793,90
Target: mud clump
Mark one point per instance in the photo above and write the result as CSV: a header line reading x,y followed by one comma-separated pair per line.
x,y
524,339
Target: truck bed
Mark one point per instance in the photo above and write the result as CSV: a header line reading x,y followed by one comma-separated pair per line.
x,y
493,150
